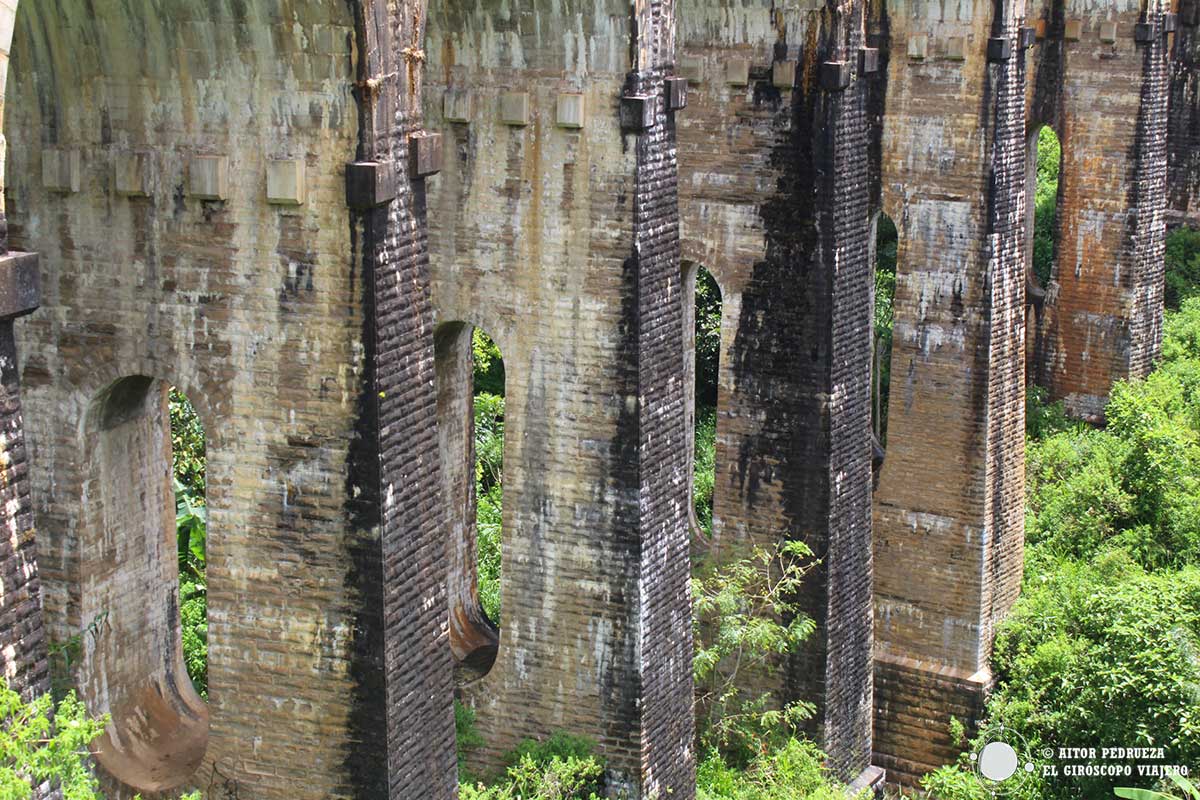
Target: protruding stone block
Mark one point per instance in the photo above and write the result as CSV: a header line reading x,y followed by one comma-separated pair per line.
x,y
20,284
868,60
1170,22
1073,30
783,74
457,105
835,75
1039,29
424,154
208,177
132,174
737,71
285,182
61,170
955,48
1027,38
569,110
918,46
677,93
370,184
691,68
637,112
1143,32
1108,32
514,108
999,49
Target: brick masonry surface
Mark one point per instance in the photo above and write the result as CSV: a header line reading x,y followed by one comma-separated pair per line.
x,y
325,348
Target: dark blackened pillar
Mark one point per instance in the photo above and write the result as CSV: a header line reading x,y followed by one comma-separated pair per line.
x,y
801,358
663,611
404,708
23,660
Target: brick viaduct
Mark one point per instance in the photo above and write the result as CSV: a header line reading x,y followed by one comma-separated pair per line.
x,y
242,198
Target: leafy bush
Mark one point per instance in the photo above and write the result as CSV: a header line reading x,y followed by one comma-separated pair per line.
x,y
792,771
41,743
1049,161
559,768
489,469
1182,268
189,465
746,620
1044,418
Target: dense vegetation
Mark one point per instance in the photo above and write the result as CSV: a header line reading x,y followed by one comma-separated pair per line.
x,y
1045,204
191,529
1102,648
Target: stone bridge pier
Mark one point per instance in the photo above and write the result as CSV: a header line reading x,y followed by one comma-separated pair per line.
x,y
297,212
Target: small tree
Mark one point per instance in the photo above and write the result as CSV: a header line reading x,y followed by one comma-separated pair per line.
x,y
747,620
40,744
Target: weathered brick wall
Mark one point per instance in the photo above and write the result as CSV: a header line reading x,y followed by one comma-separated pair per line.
x,y
774,197
560,241
256,311
948,527
23,663
1105,94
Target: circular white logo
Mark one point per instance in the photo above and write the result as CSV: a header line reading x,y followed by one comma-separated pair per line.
x,y
998,761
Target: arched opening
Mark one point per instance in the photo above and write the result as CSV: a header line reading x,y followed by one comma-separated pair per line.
x,y
886,242
702,341
189,464
132,663
1044,167
470,387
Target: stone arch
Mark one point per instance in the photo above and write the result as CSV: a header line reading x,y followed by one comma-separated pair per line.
x,y
131,665
474,637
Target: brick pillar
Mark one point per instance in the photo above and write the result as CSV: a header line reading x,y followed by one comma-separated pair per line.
x,y
663,614
800,360
23,659
404,715
949,509
1102,317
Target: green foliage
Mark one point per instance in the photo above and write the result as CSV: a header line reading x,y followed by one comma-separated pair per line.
x,y
191,533
559,768
1044,418
793,771
466,738
1136,484
1190,791
1049,160
747,619
704,468
187,446
489,364
64,655
1182,267
43,743
708,340
489,469
886,244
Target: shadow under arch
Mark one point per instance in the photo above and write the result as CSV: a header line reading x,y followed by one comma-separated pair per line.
x,y
131,665
474,637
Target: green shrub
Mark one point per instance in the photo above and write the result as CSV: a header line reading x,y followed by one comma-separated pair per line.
x,y
1049,160
792,771
746,622
1182,267
489,473
559,768
42,743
